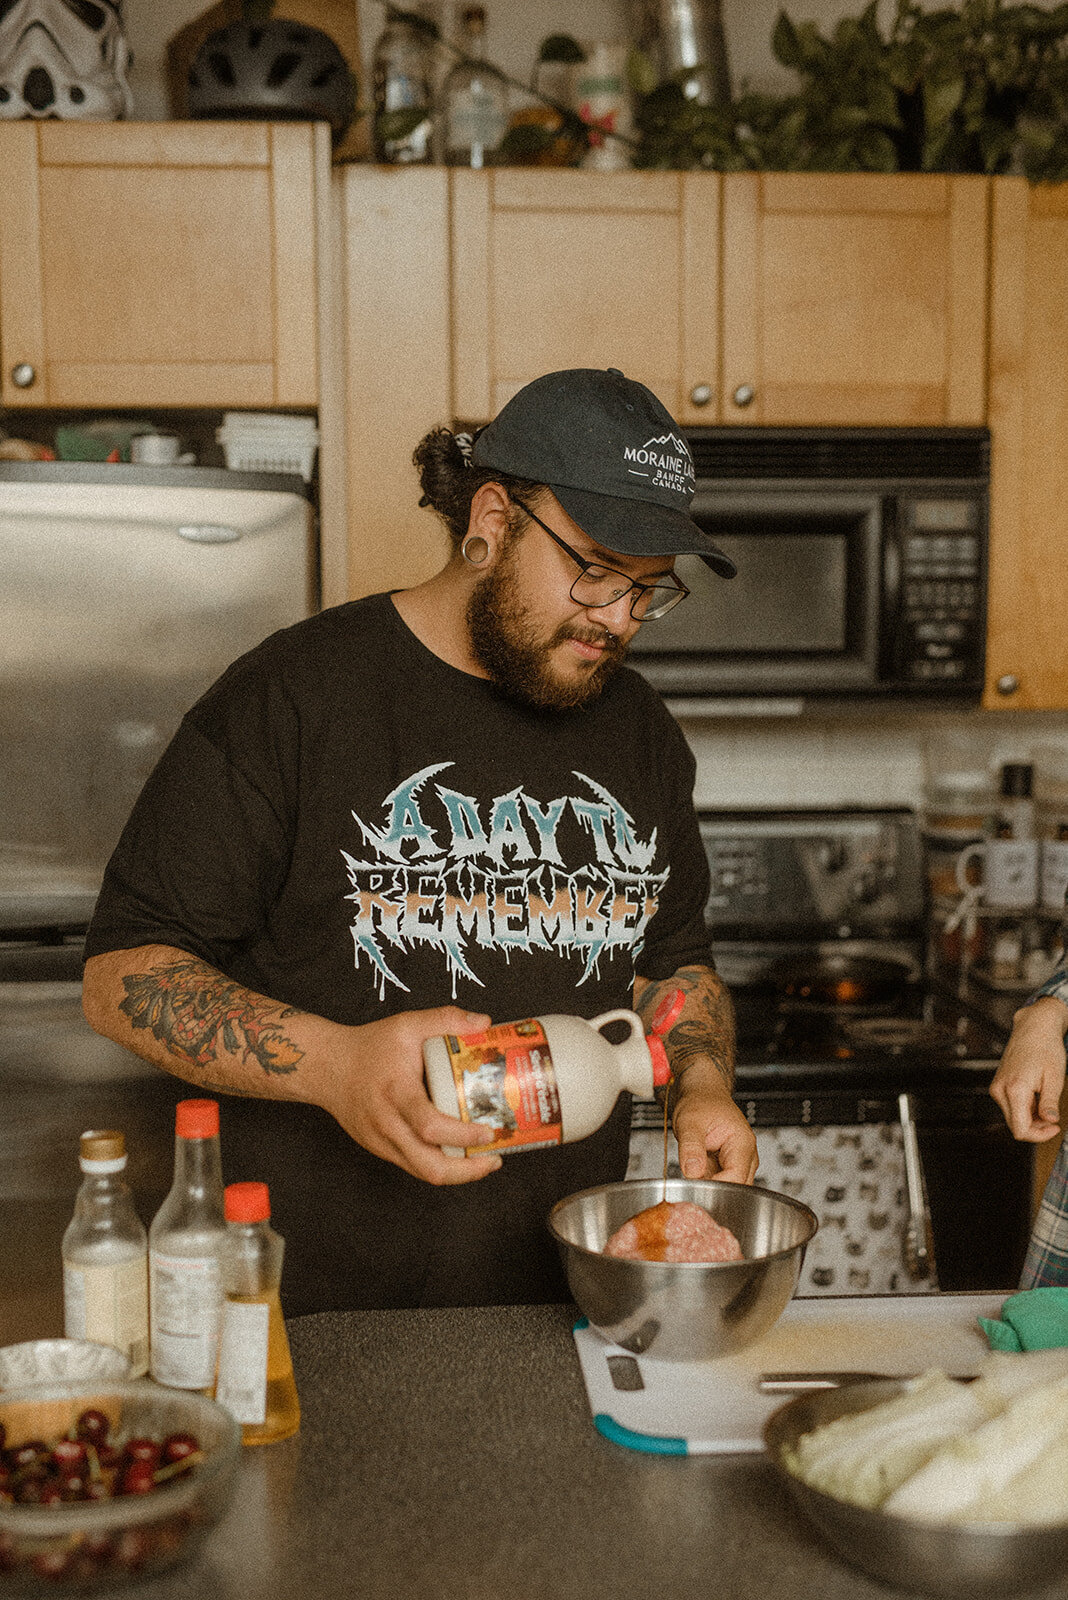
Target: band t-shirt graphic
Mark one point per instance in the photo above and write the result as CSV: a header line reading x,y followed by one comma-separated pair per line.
x,y
442,869
351,826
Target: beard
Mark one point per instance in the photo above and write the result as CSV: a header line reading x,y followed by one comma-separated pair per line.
x,y
519,663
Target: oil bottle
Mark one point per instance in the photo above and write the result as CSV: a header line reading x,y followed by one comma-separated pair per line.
x,y
105,1255
255,1379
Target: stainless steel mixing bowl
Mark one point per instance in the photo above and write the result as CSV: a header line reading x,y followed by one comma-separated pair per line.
x,y
683,1311
955,1560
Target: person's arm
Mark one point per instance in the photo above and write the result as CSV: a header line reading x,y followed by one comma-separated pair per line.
x,y
714,1139
1030,1076
184,1015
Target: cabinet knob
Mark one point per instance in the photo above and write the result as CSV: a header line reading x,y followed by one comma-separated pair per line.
x,y
1008,683
700,394
23,376
744,395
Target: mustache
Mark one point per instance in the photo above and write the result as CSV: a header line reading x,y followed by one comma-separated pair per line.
x,y
613,645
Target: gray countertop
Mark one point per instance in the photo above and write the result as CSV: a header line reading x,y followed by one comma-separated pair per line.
x,y
450,1455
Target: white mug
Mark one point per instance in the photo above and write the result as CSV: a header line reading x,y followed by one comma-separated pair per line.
x,y
1010,872
154,449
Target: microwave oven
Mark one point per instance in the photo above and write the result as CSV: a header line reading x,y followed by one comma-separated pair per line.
x,y
862,567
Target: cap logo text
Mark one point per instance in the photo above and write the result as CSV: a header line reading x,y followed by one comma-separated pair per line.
x,y
664,462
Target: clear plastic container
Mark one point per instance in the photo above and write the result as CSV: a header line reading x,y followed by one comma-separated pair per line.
x,y
186,1242
255,1379
402,71
105,1255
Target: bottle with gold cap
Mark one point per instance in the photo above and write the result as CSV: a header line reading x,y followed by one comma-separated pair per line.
x,y
255,1380
105,1255
185,1243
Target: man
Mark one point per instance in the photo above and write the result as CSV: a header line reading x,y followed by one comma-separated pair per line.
x,y
419,813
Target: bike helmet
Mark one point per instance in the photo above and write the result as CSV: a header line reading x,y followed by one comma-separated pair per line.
x,y
272,69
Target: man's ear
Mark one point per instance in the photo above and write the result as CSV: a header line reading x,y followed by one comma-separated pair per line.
x,y
490,509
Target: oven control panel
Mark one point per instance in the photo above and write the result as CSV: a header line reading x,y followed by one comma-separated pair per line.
x,y
841,874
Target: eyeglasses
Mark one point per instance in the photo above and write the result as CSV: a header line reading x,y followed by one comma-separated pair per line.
x,y
598,586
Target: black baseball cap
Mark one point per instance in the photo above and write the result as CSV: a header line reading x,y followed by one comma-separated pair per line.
x,y
613,457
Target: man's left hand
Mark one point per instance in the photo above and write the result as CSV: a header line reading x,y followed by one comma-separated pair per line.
x,y
715,1141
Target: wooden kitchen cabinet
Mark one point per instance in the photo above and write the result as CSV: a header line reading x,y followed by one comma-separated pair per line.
x,y
1028,605
580,269
854,299
747,298
164,264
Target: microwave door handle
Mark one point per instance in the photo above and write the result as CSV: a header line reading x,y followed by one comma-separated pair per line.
x,y
892,573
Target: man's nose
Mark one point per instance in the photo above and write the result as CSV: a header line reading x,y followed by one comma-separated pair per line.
x,y
616,617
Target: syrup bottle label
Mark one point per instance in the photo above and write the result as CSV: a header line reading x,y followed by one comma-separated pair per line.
x,y
505,1078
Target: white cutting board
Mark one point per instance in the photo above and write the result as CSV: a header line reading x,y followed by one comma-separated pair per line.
x,y
702,1407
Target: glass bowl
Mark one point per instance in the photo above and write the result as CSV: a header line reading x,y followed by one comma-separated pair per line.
x,y
88,1545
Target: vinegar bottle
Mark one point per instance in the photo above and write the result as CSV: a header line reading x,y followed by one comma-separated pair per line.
x,y
255,1379
185,1244
105,1250
546,1080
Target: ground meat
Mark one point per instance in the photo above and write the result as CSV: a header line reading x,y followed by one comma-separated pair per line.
x,y
674,1230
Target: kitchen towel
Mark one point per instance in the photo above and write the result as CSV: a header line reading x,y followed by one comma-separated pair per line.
x,y
1037,1319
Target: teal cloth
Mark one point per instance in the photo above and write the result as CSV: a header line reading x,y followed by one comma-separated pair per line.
x,y
1036,1319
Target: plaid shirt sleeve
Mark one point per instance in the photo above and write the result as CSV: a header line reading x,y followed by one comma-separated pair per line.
x,y
1047,1253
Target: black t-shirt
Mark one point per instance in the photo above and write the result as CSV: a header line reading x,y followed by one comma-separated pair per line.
x,y
351,826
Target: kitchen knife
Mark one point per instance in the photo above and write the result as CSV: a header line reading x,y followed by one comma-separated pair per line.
x,y
807,1382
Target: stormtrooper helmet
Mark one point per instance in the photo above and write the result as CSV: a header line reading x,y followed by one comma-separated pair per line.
x,y
63,58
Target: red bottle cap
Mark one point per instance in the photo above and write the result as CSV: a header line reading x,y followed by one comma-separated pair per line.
x,y
668,1011
661,1064
247,1202
197,1119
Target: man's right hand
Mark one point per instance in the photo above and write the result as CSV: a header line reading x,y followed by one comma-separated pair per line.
x,y
1029,1080
376,1092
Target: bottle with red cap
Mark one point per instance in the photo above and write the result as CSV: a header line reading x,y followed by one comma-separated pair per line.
x,y
547,1080
185,1245
255,1379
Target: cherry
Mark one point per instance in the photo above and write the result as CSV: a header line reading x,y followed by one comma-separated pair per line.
x,y
69,1454
177,1446
138,1478
143,1450
92,1426
73,1485
33,1453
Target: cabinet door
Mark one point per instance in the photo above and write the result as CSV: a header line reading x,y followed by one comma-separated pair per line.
x,y
1028,617
394,232
851,299
576,269
159,264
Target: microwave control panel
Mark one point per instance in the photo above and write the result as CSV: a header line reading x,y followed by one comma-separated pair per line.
x,y
939,640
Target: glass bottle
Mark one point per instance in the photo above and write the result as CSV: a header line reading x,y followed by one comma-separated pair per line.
x,y
185,1244
474,101
402,77
255,1376
105,1253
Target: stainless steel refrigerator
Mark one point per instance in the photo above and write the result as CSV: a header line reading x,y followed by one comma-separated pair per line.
x,y
124,592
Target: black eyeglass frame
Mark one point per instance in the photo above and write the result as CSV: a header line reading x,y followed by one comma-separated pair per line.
x,y
632,583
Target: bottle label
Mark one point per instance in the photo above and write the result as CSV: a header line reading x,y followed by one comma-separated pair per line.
x,y
242,1381
109,1305
1054,873
475,123
186,1298
505,1078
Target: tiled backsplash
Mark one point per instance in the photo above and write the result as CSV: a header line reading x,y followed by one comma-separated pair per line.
x,y
861,758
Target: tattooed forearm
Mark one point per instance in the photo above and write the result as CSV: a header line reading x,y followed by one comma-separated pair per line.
x,y
194,1011
706,1027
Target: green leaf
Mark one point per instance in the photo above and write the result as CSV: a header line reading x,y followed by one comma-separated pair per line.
x,y
394,125
561,47
785,43
641,72
940,100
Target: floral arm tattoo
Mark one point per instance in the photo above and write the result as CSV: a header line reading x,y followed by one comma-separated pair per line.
x,y
706,1026
193,1010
